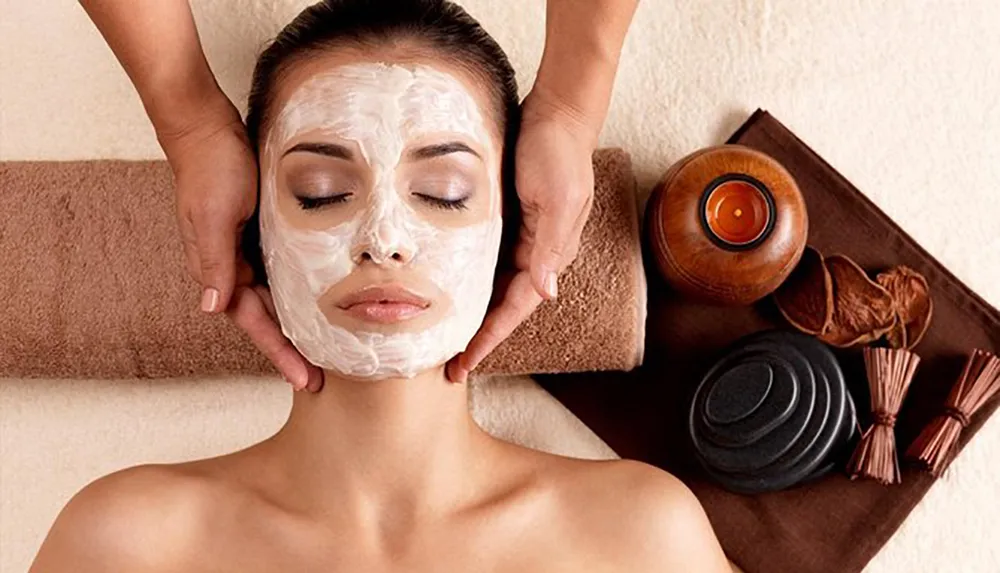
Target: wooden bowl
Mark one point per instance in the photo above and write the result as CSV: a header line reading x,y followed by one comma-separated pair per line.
x,y
726,225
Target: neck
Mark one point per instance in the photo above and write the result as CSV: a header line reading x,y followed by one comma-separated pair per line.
x,y
398,445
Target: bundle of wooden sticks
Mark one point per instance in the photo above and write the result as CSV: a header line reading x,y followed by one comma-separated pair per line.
x,y
935,447
890,371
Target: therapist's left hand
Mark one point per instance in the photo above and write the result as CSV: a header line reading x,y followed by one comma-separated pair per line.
x,y
555,185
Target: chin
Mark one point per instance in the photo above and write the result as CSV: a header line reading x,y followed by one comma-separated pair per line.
x,y
349,345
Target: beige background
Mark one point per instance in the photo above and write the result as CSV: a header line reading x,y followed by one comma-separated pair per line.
x,y
902,97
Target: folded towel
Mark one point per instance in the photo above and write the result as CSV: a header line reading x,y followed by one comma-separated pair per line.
x,y
95,285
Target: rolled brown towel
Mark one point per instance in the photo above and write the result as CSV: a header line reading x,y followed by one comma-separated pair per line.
x,y
95,285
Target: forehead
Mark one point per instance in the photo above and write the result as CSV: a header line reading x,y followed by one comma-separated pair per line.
x,y
413,95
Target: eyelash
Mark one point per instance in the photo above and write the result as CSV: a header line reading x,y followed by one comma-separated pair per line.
x,y
310,203
450,204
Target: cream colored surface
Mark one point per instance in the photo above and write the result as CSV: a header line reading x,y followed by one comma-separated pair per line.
x,y
902,97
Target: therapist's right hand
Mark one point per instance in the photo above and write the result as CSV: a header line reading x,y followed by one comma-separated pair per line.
x,y
215,173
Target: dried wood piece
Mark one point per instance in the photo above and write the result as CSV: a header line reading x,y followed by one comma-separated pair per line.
x,y
912,302
863,310
805,299
896,337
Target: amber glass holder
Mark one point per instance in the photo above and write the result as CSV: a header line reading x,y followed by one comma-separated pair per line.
x,y
743,217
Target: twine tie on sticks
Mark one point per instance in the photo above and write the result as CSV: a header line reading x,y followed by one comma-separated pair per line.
x,y
959,416
890,371
936,446
883,418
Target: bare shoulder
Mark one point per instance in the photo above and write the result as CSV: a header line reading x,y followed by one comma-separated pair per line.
x,y
139,519
637,512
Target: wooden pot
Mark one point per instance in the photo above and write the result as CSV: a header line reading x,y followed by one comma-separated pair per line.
x,y
726,225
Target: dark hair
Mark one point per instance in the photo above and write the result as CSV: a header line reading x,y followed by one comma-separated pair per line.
x,y
441,26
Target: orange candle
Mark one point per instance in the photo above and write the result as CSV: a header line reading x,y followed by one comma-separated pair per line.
x,y
737,212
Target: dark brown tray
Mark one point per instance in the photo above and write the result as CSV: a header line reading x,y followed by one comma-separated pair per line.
x,y
833,525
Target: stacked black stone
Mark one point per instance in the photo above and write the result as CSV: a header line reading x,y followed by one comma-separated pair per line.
x,y
774,412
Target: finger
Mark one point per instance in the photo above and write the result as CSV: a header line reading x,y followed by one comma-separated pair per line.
x,y
576,236
556,233
581,223
454,372
190,245
526,247
453,369
217,242
192,260
267,300
316,379
519,301
244,273
249,312
314,375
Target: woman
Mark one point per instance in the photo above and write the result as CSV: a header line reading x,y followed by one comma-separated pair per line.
x,y
383,141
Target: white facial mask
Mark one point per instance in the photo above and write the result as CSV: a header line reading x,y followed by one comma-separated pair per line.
x,y
382,108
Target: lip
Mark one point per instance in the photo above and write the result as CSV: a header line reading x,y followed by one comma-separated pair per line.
x,y
384,304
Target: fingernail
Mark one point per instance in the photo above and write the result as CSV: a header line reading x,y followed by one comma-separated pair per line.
x,y
209,300
551,284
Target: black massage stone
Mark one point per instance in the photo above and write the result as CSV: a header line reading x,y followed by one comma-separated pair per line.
x,y
773,412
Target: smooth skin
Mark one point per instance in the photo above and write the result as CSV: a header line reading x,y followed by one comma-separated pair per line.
x,y
205,142
386,477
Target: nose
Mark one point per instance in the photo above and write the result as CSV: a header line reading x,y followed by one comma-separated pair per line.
x,y
383,240
380,257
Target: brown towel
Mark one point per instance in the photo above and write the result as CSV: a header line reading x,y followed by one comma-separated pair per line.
x,y
832,525
95,286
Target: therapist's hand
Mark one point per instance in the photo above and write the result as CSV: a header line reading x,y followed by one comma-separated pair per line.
x,y
561,121
205,141
555,185
216,190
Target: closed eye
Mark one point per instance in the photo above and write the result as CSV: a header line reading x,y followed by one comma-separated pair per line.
x,y
308,203
451,204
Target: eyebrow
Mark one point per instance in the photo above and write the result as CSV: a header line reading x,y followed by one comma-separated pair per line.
x,y
432,151
328,149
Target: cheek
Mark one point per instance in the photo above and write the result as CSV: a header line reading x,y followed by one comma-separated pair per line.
x,y
301,265
320,258
296,257
462,261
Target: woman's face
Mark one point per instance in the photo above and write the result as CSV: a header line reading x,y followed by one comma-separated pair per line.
x,y
380,213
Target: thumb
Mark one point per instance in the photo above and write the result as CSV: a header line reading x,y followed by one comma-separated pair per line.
x,y
550,248
217,253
